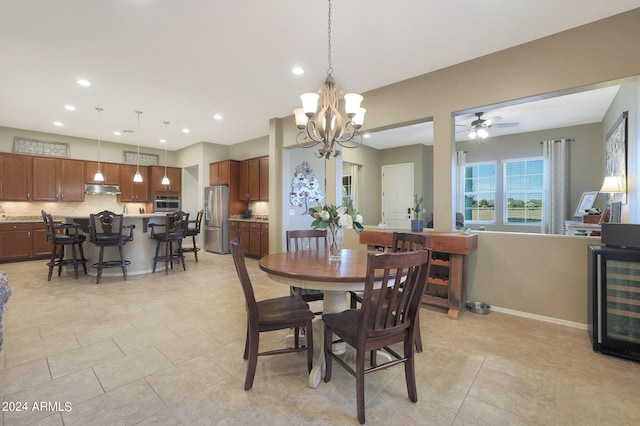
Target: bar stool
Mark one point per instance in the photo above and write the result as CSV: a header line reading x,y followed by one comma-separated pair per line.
x,y
60,235
174,231
105,230
193,230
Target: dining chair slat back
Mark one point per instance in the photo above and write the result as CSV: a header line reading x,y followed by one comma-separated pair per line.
x,y
385,318
269,315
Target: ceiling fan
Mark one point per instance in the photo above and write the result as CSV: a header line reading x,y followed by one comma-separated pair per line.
x,y
478,127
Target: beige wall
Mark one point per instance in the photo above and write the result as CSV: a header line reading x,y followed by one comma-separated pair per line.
x,y
591,54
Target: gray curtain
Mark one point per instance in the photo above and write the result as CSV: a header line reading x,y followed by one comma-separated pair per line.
x,y
555,207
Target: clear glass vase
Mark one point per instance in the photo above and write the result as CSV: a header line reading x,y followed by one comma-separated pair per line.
x,y
335,239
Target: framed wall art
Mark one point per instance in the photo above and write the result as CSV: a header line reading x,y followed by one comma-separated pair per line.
x,y
616,152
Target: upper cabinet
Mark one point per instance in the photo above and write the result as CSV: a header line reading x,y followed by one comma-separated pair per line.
x,y
254,179
57,179
137,192
110,171
175,178
15,177
264,178
223,172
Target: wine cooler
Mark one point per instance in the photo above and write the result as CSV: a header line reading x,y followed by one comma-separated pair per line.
x,y
614,301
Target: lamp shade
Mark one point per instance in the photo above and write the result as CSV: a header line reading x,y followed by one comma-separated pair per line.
x,y
612,184
98,177
352,103
310,103
301,118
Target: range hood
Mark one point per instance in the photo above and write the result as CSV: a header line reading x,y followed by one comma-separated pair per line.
x,y
102,189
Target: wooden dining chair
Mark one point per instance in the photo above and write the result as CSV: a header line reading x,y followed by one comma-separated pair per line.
x,y
269,315
378,325
306,239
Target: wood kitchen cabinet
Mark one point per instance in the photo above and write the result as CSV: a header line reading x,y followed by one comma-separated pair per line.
x,y
175,178
137,192
41,246
254,179
234,229
244,234
226,173
258,239
23,241
110,171
15,177
446,283
264,178
57,179
223,172
16,241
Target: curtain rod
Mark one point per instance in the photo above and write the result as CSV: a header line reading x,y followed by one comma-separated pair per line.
x,y
560,140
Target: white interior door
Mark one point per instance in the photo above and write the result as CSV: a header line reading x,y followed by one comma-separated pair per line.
x,y
397,195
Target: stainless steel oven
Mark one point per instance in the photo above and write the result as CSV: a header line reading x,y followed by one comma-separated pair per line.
x,y
166,203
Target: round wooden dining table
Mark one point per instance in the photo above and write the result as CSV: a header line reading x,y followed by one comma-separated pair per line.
x,y
312,269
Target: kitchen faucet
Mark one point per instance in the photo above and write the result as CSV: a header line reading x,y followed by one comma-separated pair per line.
x,y
125,209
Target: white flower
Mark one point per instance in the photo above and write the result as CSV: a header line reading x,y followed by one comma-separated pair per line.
x,y
341,210
323,215
358,218
345,221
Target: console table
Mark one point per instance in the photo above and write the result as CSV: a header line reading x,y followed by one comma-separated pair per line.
x,y
447,280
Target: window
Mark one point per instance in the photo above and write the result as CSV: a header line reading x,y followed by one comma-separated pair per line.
x,y
523,191
350,184
480,192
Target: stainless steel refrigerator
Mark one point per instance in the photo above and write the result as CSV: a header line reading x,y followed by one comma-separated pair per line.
x,y
216,219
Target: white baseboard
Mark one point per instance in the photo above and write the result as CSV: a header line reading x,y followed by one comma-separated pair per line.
x,y
540,318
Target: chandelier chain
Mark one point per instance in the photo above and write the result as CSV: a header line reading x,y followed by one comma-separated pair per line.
x,y
330,69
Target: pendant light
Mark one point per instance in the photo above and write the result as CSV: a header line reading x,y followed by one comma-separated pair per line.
x,y
98,177
165,179
138,177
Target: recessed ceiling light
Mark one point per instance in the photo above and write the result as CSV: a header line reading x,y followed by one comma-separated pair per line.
x,y
218,116
58,123
69,107
83,82
297,71
163,141
185,130
117,133
367,135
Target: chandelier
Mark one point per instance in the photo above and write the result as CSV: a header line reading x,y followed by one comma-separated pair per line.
x,y
323,123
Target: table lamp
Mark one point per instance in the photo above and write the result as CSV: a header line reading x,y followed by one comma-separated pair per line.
x,y
612,186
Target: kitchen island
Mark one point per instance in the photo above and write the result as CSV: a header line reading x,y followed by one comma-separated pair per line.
x,y
140,251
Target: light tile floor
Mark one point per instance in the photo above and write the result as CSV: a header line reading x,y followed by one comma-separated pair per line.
x,y
168,350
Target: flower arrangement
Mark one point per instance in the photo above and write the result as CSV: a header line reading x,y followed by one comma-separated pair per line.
x,y
334,219
330,215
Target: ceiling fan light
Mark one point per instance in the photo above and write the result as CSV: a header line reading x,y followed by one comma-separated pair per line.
x,y
482,133
473,134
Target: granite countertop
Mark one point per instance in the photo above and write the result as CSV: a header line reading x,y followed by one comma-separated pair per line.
x,y
64,218
250,219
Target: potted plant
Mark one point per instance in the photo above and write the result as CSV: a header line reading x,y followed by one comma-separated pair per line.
x,y
417,224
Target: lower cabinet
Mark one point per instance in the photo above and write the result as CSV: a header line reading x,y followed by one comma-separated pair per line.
x,y
254,237
23,241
